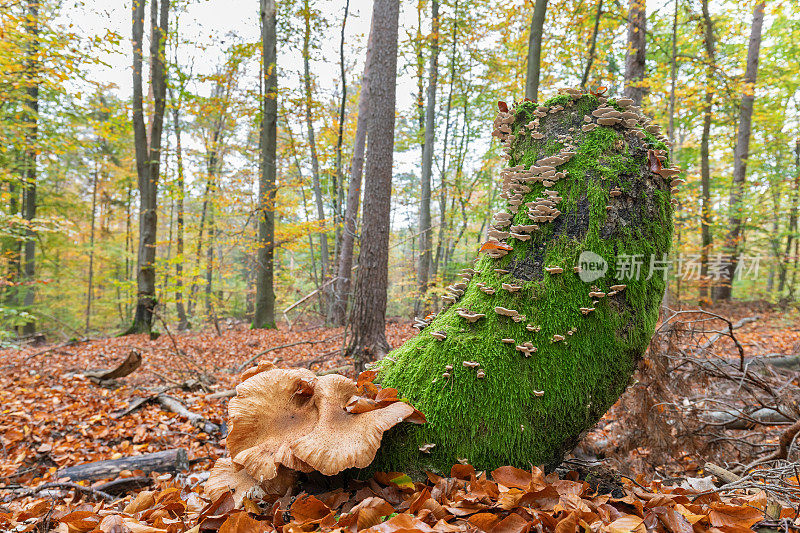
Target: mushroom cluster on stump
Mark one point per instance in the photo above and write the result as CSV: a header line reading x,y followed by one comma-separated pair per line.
x,y
559,341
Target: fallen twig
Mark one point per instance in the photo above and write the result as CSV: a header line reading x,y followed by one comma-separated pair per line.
x,y
253,359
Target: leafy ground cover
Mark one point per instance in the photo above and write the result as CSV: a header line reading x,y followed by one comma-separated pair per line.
x,y
52,417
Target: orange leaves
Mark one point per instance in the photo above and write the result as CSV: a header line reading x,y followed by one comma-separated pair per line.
x,y
371,397
495,245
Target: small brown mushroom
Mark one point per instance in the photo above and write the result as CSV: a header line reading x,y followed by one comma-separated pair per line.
x,y
469,316
554,270
532,327
439,335
511,288
471,364
538,393
557,338
587,310
508,341
618,287
480,374
597,294
426,448
506,312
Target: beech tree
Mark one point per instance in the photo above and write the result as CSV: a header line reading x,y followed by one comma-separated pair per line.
x,y
368,317
425,241
724,289
535,50
636,53
264,316
147,142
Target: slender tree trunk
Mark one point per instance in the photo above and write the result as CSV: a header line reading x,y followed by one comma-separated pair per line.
x,y
369,307
636,54
128,247
535,50
443,168
345,267
338,173
199,249
792,229
323,237
31,121
705,167
592,45
723,291
89,288
148,152
264,316
424,267
183,322
14,252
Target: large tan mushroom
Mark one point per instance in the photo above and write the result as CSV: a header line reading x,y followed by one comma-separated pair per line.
x,y
292,420
269,410
340,439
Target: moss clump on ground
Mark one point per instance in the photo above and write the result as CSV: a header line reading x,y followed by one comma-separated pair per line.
x,y
500,419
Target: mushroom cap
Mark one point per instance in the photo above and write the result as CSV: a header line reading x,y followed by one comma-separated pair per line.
x,y
505,312
269,410
224,477
342,440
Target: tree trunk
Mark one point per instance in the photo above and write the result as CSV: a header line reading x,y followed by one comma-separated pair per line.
x,y
338,174
792,229
492,405
593,45
147,143
323,237
345,267
31,121
705,167
264,316
535,50
635,56
423,270
723,290
183,322
369,307
89,287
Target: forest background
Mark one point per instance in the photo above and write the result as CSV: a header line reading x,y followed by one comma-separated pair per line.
x,y
69,201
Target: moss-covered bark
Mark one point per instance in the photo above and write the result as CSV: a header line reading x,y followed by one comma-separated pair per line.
x,y
503,417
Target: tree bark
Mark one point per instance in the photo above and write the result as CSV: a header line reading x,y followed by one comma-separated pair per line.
x,y
338,174
723,291
264,316
31,121
312,143
345,267
535,50
183,322
369,307
423,269
636,54
89,287
705,167
593,45
792,229
147,142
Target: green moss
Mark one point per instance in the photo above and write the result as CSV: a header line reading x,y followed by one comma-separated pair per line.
x,y
499,420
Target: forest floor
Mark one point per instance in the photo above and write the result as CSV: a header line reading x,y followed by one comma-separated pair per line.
x,y
52,417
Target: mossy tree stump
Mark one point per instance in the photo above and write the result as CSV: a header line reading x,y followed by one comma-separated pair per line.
x,y
509,404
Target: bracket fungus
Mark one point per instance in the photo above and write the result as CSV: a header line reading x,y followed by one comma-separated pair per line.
x,y
559,183
469,316
439,335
